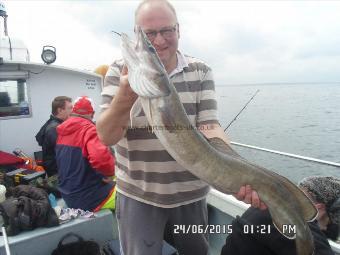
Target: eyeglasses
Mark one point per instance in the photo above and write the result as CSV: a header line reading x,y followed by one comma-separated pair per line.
x,y
166,33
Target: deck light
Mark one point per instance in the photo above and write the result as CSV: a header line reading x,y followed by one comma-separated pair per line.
x,y
48,54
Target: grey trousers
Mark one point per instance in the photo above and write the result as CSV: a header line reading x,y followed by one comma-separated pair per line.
x,y
143,227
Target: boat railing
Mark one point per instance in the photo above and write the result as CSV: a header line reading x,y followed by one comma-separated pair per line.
x,y
288,154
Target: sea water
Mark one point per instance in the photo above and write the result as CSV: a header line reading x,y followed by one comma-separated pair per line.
x,y
302,119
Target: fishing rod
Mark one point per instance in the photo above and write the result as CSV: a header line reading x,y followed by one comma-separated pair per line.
x,y
116,33
244,107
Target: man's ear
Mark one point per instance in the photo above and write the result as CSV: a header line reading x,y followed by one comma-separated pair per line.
x,y
59,110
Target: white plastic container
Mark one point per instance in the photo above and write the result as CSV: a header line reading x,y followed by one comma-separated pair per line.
x,y
2,193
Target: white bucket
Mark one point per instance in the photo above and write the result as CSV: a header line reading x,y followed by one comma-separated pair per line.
x,y
2,193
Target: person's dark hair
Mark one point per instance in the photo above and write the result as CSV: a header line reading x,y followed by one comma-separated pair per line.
x,y
59,102
150,1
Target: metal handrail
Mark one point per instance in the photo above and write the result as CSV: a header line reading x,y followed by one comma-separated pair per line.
x,y
288,154
8,251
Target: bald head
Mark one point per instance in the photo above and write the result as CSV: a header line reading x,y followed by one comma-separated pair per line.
x,y
147,7
157,16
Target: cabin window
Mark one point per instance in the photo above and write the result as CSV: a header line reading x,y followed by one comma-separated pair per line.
x,y
14,100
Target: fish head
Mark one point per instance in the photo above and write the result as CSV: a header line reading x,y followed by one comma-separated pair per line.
x,y
146,73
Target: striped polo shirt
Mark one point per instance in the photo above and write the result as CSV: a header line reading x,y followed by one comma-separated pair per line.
x,y
145,170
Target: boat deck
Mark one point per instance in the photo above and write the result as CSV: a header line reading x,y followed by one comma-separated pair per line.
x,y
42,241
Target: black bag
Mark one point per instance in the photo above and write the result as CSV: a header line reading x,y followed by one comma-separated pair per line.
x,y
79,247
113,248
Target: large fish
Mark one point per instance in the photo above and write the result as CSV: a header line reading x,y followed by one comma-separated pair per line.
x,y
287,204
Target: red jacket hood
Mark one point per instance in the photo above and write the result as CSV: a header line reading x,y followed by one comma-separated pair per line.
x,y
73,124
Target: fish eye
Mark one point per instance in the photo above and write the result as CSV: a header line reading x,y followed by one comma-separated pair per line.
x,y
151,48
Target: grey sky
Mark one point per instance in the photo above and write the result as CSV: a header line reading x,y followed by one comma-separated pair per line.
x,y
243,41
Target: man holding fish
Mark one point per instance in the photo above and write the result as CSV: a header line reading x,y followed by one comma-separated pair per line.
x,y
154,191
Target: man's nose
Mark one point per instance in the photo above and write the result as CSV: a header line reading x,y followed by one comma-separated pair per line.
x,y
159,39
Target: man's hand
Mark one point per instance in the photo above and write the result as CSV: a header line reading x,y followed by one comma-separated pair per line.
x,y
125,90
112,123
107,179
249,196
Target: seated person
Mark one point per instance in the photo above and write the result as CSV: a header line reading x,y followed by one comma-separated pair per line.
x,y
47,135
85,165
325,194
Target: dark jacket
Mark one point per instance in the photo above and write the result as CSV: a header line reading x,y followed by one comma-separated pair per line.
x,y
27,209
46,138
240,243
83,161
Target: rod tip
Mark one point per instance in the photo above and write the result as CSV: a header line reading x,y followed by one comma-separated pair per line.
x,y
116,33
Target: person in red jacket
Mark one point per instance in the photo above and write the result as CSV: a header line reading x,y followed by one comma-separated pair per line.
x,y
85,165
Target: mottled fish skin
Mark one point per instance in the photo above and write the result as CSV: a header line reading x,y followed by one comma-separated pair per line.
x,y
287,204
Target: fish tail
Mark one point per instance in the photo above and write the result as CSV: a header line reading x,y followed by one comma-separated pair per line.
x,y
304,242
